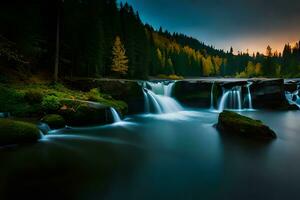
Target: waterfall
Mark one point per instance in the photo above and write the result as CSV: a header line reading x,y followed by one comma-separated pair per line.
x,y
158,96
231,99
212,107
44,128
115,115
293,98
147,103
249,95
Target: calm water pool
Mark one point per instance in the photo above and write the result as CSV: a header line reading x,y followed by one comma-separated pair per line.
x,y
167,156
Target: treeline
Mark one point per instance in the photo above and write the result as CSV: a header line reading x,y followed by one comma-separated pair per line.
x,y
99,38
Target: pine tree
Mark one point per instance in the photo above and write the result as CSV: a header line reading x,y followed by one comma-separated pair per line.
x,y
120,60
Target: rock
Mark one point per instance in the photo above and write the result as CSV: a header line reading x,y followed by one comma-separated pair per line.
x,y
235,124
231,84
290,86
193,93
268,93
54,121
288,106
16,132
128,91
81,113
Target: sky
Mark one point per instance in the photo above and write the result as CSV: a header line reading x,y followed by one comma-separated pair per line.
x,y
242,24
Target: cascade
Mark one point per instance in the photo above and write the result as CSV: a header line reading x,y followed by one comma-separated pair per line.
x,y
249,95
212,107
231,99
115,115
158,97
293,98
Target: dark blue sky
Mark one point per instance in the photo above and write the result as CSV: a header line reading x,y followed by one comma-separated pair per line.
x,y
243,24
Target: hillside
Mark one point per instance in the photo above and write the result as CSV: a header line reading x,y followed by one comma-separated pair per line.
x,y
81,36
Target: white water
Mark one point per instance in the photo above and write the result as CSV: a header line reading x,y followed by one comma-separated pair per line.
x,y
44,128
249,96
293,98
231,99
212,107
159,96
115,115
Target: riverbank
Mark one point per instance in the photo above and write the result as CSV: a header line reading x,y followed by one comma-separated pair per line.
x,y
31,102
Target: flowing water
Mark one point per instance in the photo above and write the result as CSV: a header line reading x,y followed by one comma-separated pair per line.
x,y
212,107
249,96
158,97
115,115
231,99
171,153
169,156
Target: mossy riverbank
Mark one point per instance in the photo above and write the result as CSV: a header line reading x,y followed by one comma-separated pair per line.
x,y
37,100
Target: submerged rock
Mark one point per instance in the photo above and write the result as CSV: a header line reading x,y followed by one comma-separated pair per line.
x,y
235,124
54,121
16,132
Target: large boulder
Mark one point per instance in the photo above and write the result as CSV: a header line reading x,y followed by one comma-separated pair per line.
x,y
85,113
269,94
126,90
291,86
54,121
235,124
193,93
17,132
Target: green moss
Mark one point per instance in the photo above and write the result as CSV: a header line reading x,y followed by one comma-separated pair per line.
x,y
54,121
16,132
51,103
234,118
96,96
84,115
33,100
234,123
33,96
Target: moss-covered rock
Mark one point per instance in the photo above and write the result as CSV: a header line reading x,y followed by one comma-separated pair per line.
x,y
84,113
235,124
129,92
54,121
16,132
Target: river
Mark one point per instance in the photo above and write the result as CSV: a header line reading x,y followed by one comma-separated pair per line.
x,y
168,156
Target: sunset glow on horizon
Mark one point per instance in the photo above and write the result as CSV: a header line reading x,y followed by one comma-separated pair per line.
x,y
242,24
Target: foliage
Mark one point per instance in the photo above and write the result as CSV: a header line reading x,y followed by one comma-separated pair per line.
x,y
171,77
94,95
33,96
54,96
120,61
92,28
51,103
